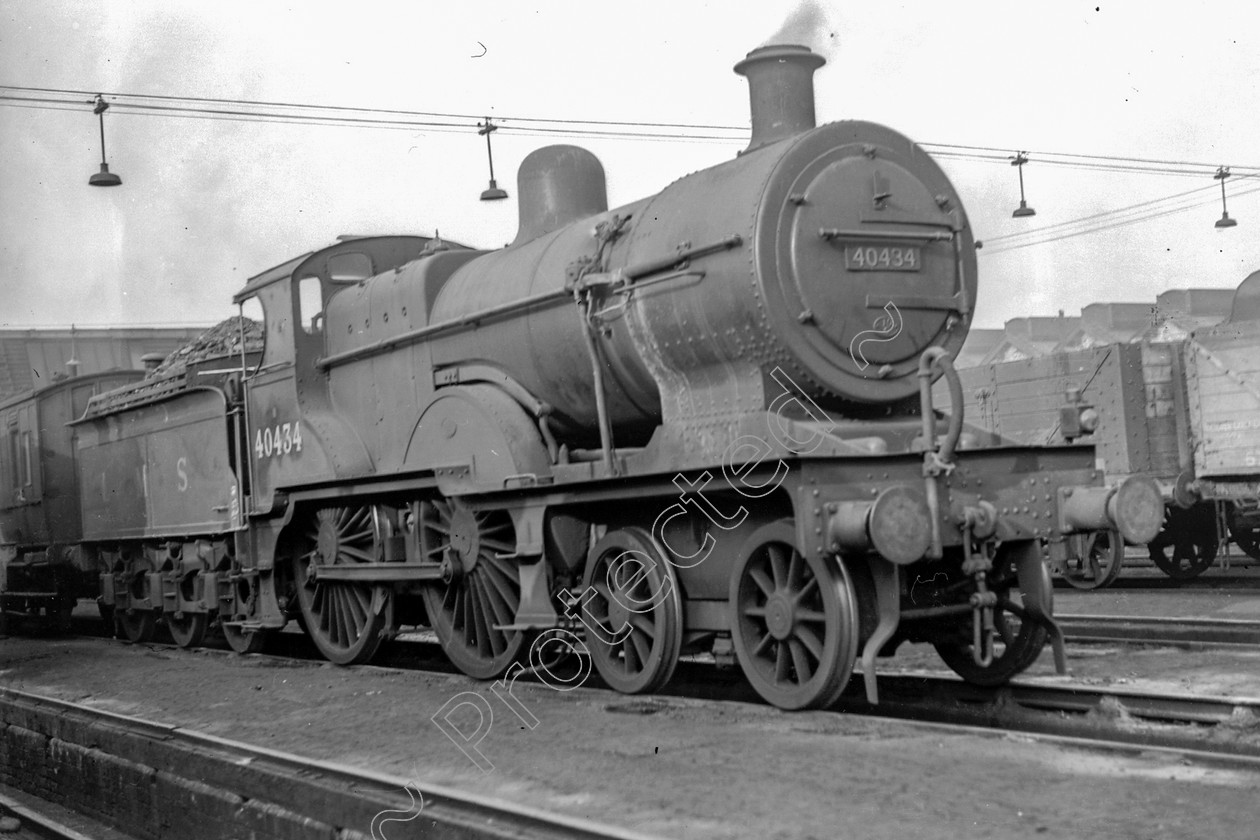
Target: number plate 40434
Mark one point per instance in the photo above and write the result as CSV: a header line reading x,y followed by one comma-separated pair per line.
x,y
882,257
281,439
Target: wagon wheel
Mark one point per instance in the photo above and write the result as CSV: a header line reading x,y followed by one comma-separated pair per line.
x,y
1247,538
347,621
482,588
1098,565
1186,546
1016,644
65,615
634,622
794,623
137,625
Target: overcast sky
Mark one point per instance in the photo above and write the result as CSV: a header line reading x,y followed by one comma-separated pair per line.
x,y
207,203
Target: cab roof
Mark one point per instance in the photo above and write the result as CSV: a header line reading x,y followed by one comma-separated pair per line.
x,y
384,253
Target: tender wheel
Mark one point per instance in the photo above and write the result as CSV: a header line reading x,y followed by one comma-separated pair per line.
x,y
1245,536
1186,546
137,626
484,587
1016,644
347,621
794,623
188,629
634,621
244,641
1099,563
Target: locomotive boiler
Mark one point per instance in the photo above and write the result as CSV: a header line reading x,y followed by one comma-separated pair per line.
x,y
702,421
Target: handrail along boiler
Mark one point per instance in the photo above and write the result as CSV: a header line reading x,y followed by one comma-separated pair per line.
x,y
700,421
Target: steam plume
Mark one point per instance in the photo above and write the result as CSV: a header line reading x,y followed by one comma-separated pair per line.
x,y
807,25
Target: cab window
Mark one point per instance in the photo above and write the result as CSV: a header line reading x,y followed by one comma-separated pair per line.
x,y
310,305
349,267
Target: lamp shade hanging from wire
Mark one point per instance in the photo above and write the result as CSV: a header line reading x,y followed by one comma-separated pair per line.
x,y
492,192
1224,221
104,178
1023,210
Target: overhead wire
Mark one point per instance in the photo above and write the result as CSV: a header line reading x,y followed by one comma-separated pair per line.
x,y
1154,214
264,103
630,129
1039,231
314,114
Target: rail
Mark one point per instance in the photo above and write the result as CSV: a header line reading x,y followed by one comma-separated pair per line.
x,y
1097,716
1160,630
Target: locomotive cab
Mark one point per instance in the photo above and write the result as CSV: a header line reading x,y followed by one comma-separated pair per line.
x,y
295,436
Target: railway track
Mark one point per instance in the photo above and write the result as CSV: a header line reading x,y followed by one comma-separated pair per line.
x,y
1160,630
1214,730
211,787
1115,721
1217,584
1107,717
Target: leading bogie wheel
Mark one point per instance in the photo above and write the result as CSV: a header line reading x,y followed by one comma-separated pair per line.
x,y
632,611
347,621
471,609
1099,562
794,620
1017,640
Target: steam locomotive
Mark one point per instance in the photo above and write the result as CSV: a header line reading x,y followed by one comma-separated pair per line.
x,y
699,422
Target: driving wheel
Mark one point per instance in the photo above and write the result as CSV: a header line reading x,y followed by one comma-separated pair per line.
x,y
347,621
471,609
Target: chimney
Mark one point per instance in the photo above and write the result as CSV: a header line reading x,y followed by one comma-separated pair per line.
x,y
781,91
558,185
